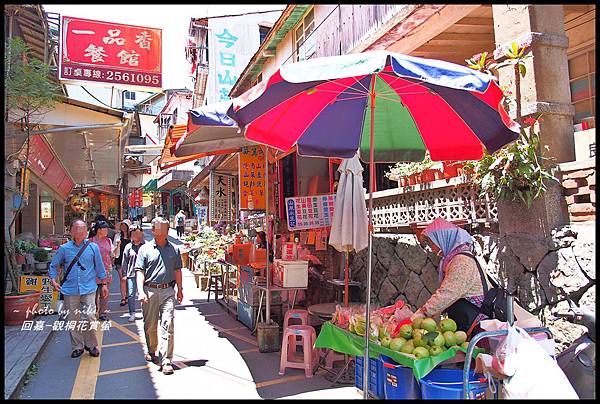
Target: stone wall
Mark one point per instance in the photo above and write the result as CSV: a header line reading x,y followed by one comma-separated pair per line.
x,y
578,179
541,273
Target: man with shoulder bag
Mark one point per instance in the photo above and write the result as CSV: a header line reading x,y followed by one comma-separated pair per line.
x,y
83,264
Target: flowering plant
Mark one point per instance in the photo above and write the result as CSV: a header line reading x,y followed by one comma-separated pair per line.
x,y
515,171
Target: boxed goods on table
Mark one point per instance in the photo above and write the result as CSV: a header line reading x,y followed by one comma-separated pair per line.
x,y
290,274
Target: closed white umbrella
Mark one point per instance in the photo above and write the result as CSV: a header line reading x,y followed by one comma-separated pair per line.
x,y
349,227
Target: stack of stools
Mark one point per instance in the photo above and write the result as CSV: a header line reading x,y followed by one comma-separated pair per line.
x,y
295,335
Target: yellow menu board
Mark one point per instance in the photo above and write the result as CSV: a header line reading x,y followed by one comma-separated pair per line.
x,y
251,166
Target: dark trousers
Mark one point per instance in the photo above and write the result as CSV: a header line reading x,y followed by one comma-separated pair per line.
x,y
179,231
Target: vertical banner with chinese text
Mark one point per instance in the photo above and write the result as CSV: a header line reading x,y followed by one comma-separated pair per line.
x,y
231,46
252,178
110,53
220,197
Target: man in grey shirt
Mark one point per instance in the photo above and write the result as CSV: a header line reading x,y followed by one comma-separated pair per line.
x,y
158,269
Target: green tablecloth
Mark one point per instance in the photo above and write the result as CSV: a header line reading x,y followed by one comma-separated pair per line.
x,y
343,341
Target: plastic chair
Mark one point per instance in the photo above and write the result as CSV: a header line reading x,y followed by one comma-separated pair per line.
x,y
331,357
310,356
296,315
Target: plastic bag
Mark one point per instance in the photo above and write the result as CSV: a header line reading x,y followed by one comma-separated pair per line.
x,y
493,325
533,373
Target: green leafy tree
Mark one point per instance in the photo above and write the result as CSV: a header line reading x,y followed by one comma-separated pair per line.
x,y
28,95
515,172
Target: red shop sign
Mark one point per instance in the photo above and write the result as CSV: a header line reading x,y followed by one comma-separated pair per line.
x,y
110,53
40,155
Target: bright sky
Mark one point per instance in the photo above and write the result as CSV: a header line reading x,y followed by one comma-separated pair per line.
x,y
173,19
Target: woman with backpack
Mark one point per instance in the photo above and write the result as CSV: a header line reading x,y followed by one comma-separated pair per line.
x,y
461,291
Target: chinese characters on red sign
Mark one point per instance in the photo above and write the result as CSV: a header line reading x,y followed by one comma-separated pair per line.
x,y
110,53
252,178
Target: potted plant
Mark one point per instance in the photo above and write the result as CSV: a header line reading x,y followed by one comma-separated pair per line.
x,y
400,172
22,247
41,257
515,172
29,94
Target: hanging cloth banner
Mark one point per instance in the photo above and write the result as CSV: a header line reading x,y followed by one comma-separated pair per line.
x,y
252,178
221,186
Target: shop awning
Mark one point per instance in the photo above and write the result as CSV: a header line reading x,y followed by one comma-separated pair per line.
x,y
88,139
210,130
174,179
151,186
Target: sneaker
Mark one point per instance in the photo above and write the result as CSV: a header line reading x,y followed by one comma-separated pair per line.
x,y
77,353
132,318
93,351
167,369
103,317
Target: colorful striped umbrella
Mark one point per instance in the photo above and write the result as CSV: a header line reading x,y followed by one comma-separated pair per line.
x,y
324,107
390,107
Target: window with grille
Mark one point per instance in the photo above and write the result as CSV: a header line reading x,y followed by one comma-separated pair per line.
x,y
305,44
582,80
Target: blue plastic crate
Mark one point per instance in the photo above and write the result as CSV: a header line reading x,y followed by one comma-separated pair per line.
x,y
399,382
447,384
376,376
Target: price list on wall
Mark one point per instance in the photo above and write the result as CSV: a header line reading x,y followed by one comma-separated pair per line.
x,y
309,212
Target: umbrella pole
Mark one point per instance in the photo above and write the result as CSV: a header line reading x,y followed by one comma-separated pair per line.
x,y
346,283
371,180
268,274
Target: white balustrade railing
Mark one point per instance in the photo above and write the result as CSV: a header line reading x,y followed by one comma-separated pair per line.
x,y
455,200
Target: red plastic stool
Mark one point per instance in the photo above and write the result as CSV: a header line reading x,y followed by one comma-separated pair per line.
x,y
296,315
309,359
331,357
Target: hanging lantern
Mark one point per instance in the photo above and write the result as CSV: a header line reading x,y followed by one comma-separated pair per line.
x,y
90,194
102,198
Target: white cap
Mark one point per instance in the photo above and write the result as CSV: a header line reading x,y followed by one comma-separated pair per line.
x,y
127,222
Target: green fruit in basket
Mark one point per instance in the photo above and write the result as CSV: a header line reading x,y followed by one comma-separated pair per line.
x,y
360,329
439,341
421,352
435,350
406,331
407,348
449,338
419,342
385,342
373,338
448,324
428,324
396,344
416,323
465,345
418,333
351,327
461,337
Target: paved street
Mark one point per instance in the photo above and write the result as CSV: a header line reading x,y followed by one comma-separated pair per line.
x,y
215,357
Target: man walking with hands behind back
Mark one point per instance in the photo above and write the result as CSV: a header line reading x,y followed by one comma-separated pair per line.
x,y
158,269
